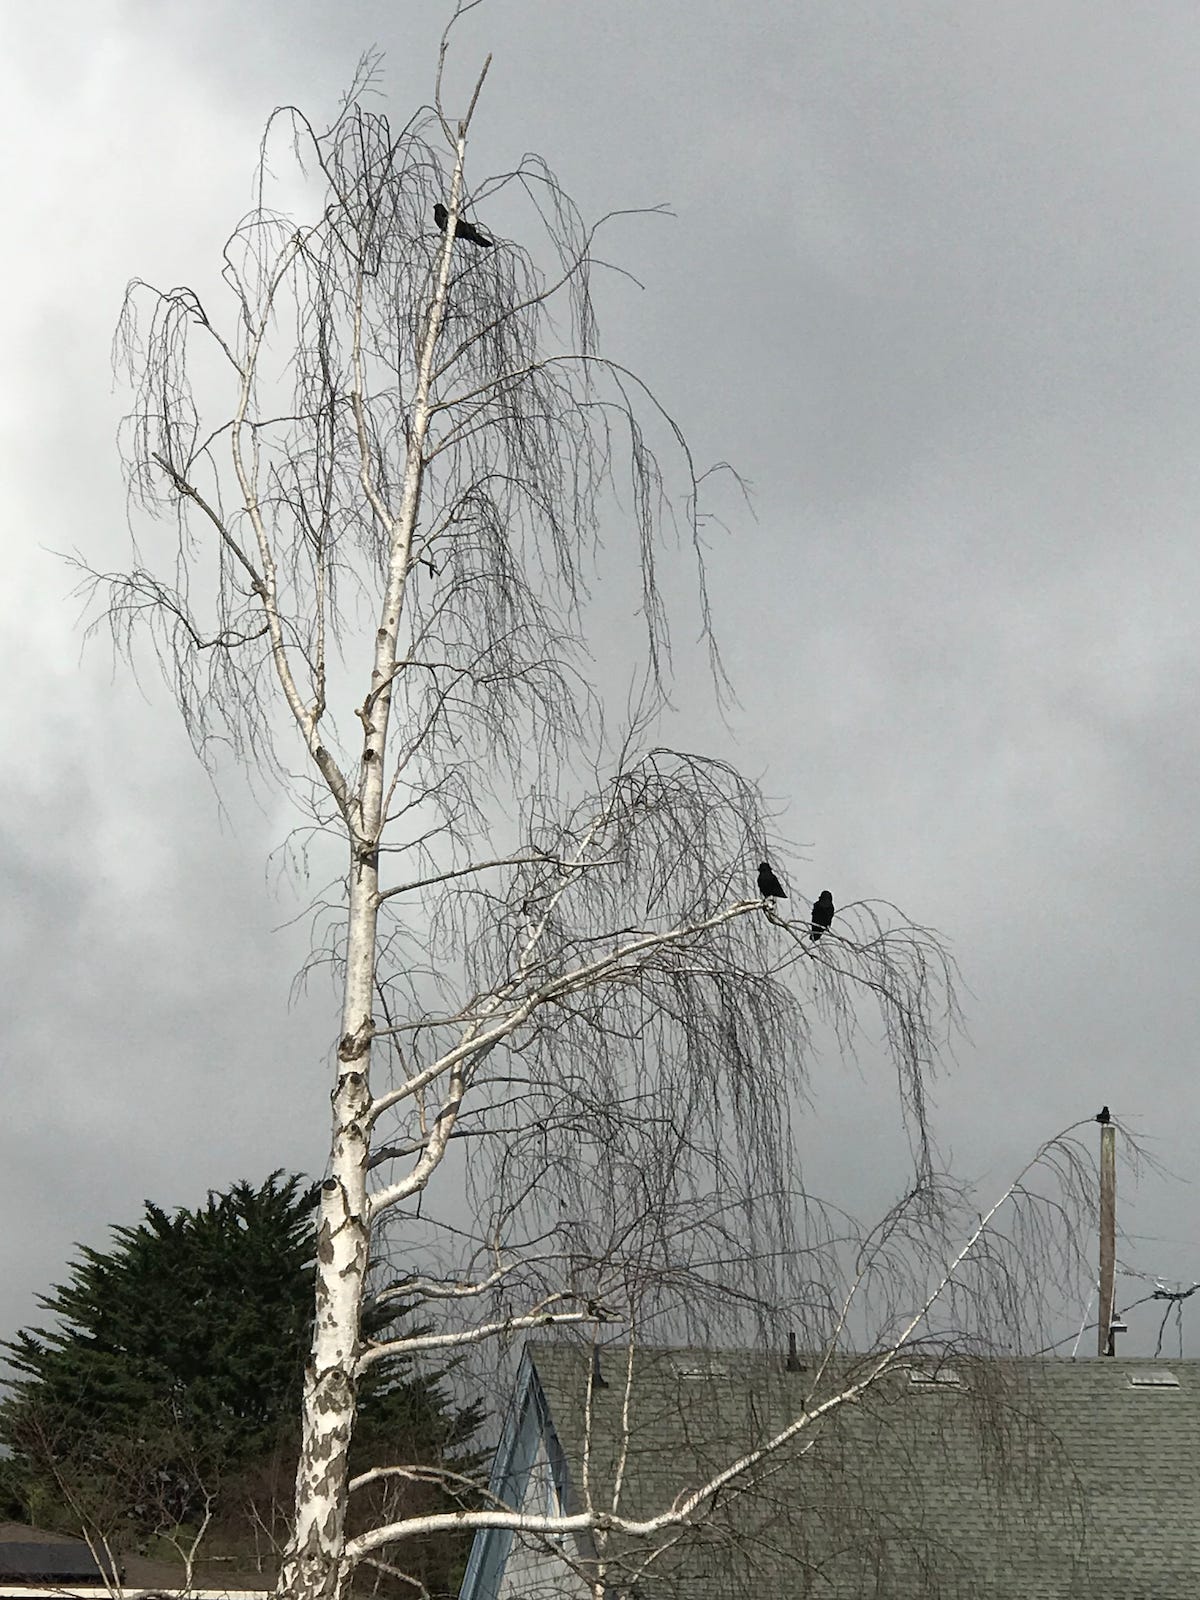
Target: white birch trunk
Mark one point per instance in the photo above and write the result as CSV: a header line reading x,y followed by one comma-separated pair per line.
x,y
313,1565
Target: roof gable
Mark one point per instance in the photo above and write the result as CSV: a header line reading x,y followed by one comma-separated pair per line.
x,y
529,1435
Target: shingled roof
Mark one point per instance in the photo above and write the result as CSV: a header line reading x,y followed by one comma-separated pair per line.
x,y
36,1561
998,1480
31,1561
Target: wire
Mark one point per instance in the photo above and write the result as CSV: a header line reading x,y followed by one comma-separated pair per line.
x,y
1082,1326
1174,1299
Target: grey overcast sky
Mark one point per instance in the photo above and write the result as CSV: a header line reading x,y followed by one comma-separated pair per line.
x,y
931,286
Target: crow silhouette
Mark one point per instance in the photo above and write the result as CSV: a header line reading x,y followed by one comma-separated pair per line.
x,y
769,885
1104,1114
462,228
822,914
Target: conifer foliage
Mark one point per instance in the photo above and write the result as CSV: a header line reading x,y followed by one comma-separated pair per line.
x,y
167,1392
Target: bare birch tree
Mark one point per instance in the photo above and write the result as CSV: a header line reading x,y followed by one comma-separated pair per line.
x,y
403,481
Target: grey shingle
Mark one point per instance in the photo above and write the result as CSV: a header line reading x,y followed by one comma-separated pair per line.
x,y
59,1562
1030,1480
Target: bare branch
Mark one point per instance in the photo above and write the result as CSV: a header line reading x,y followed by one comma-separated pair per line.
x,y
397,464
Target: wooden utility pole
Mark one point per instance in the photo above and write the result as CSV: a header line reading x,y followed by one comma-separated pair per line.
x,y
1108,1239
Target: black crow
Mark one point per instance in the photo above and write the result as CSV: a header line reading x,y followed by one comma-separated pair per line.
x,y
769,885
1104,1114
822,914
462,228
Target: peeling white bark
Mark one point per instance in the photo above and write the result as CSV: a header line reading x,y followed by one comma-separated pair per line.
x,y
314,1566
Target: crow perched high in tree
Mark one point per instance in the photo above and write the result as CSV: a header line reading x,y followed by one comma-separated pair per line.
x,y
822,914
769,885
462,228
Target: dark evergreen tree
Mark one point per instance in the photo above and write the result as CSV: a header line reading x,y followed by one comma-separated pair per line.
x,y
168,1390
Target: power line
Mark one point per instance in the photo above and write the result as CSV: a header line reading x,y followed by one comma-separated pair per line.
x,y
1174,1298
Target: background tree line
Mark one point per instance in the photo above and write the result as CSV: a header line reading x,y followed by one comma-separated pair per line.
x,y
160,1411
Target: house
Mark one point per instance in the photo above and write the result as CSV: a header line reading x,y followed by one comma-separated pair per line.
x,y
35,1563
993,1480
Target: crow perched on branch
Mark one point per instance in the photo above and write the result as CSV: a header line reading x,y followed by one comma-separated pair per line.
x,y
822,914
462,228
769,885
